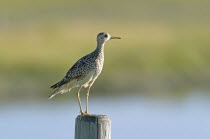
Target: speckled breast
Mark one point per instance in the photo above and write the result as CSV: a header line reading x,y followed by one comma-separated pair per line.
x,y
99,63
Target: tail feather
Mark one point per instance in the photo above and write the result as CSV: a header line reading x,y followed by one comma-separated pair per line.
x,y
54,93
58,91
55,85
51,96
59,84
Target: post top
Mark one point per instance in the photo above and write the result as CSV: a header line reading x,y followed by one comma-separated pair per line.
x,y
93,118
93,127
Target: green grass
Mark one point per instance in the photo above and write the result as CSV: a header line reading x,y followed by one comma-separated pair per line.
x,y
163,48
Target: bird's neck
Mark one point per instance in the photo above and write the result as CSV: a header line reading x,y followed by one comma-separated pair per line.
x,y
100,47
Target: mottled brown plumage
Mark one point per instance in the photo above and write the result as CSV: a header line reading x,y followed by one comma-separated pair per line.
x,y
85,71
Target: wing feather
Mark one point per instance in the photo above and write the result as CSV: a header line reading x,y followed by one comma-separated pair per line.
x,y
75,72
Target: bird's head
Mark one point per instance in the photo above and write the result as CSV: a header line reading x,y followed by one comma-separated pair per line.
x,y
104,37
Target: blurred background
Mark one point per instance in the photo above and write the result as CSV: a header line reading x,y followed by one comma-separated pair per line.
x,y
156,79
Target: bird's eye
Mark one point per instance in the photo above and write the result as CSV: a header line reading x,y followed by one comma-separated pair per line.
x,y
105,36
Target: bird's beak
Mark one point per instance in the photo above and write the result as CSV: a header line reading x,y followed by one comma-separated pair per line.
x,y
115,38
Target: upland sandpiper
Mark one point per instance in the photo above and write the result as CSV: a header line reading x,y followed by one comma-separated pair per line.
x,y
84,72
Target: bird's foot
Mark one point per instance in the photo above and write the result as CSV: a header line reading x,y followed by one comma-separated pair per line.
x,y
85,114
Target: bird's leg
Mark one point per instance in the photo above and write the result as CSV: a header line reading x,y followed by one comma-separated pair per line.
x,y
80,105
87,95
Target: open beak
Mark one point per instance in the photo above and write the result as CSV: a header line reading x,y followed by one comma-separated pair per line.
x,y
115,38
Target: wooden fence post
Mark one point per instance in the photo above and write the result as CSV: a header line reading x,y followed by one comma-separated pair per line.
x,y
93,127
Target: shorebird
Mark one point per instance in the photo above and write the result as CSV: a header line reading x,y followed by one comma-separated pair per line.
x,y
84,72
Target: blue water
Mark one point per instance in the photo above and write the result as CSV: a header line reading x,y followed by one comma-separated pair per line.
x,y
132,118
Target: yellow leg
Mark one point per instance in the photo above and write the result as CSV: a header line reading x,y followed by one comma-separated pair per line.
x,y
87,95
80,105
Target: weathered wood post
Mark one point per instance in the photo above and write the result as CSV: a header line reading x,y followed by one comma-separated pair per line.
x,y
93,127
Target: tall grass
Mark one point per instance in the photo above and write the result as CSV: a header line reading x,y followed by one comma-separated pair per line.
x,y
162,48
